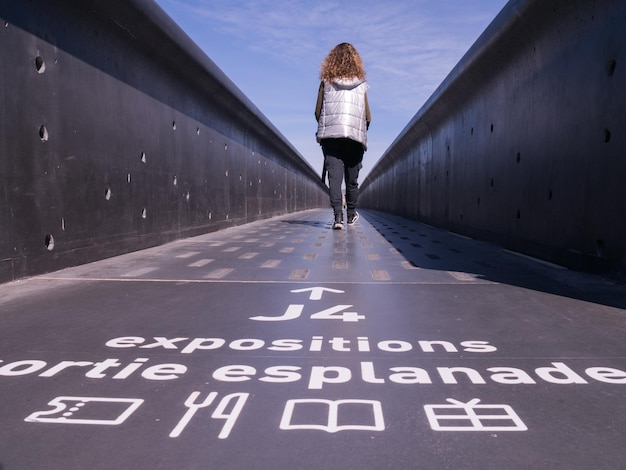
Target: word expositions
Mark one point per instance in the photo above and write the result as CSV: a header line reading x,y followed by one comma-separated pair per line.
x,y
315,344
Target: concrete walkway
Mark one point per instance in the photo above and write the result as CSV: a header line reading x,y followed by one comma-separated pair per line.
x,y
283,344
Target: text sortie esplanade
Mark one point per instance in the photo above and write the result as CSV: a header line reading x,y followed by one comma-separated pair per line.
x,y
407,372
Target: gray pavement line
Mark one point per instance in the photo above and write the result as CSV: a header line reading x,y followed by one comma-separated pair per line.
x,y
536,260
226,281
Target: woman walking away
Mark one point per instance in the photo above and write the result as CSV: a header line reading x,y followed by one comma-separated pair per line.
x,y
343,117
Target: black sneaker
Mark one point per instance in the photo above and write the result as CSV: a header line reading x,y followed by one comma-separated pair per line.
x,y
353,218
338,225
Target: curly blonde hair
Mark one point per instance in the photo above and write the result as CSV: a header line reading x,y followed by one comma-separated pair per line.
x,y
343,61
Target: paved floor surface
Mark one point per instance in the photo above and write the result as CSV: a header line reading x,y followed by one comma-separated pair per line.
x,y
283,344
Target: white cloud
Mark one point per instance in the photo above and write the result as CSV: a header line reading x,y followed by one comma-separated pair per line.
x,y
410,44
272,49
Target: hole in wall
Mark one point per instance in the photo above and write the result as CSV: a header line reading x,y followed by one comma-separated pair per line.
x,y
143,157
518,157
519,214
144,213
491,127
107,193
610,68
225,146
600,247
197,131
49,242
175,180
6,24
128,178
40,64
472,131
607,136
174,125
491,183
550,194
478,201
43,133
187,196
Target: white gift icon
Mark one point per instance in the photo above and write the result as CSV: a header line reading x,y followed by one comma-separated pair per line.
x,y
470,416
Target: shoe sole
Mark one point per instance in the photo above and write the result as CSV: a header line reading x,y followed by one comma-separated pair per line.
x,y
356,217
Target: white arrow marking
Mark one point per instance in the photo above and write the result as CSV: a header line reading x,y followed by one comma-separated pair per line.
x,y
316,292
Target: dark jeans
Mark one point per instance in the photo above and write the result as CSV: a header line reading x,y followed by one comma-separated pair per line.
x,y
343,158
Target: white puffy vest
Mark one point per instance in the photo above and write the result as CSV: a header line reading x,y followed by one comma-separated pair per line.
x,y
343,111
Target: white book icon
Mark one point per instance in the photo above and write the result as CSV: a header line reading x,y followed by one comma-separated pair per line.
x,y
333,415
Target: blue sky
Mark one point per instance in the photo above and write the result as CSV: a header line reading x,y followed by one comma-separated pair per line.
x,y
272,49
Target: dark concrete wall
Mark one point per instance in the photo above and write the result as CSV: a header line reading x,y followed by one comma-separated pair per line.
x,y
117,133
524,143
